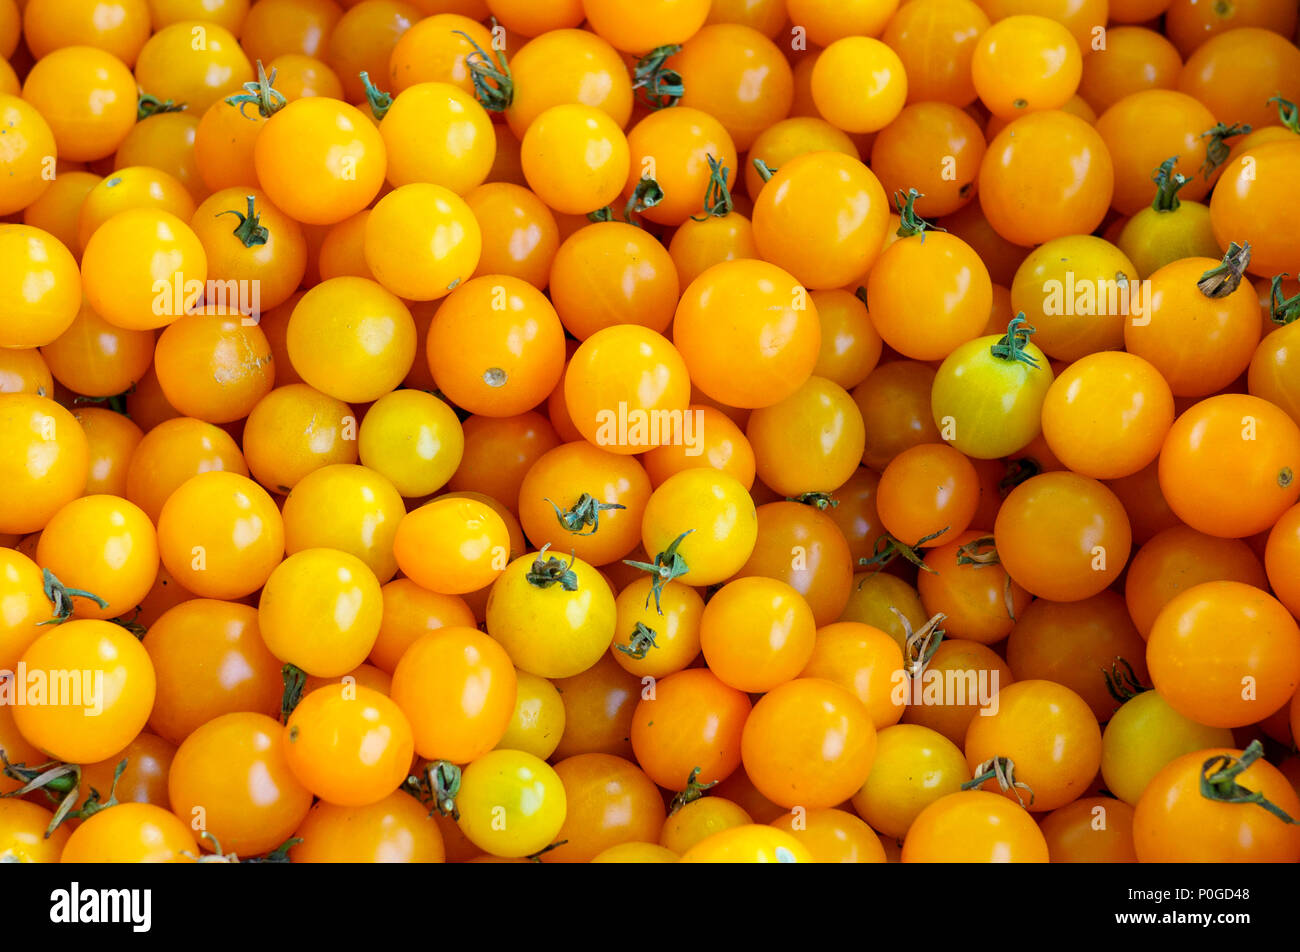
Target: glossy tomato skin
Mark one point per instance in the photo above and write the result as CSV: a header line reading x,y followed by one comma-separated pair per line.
x,y
231,779
1229,465
1175,822
350,745
40,279
609,801
1215,638
751,315
132,833
822,217
1063,536
985,405
105,703
787,742
1045,175
191,645
397,829
468,715
974,826
1143,736
528,790
914,767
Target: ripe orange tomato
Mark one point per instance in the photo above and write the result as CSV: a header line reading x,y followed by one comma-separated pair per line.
x,y
519,235
452,546
131,833
1062,536
1224,654
974,826
737,75
585,501
936,40
1228,466
822,217
808,743
609,801
456,686
88,96
1246,202
397,829
220,535
1178,820
1044,176
757,633
859,84
193,61
422,241
811,441
576,158
473,351
45,463
1048,733
1025,64
1107,415
191,645
352,339
231,778
627,390
690,721
39,280
98,689
751,315
700,526
610,273
349,508
350,745
103,545
319,160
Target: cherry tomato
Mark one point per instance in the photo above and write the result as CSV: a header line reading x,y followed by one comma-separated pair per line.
x,y
511,803
1225,654
1178,820
457,688
352,339
349,745
751,315
452,546
100,685
974,826
609,801
45,463
320,611
1228,466
131,833
231,779
396,829
788,739
1143,736
567,598
1044,176
473,346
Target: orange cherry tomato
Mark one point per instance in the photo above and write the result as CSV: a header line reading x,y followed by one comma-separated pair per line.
x,y
456,686
751,315
1228,466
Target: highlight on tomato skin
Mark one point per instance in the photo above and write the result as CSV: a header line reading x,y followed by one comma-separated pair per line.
x,y
649,431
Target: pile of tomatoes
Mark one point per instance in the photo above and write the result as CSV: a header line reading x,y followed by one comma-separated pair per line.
x,y
649,430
